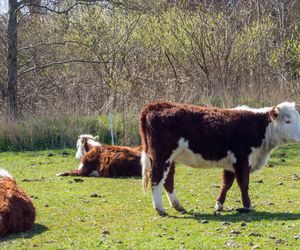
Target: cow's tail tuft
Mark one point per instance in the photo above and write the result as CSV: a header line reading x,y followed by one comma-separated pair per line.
x,y
145,160
146,169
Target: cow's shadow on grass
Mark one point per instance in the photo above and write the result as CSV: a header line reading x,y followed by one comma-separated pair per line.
x,y
237,217
36,230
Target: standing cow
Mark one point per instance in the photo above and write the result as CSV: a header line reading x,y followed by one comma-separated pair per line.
x,y
237,140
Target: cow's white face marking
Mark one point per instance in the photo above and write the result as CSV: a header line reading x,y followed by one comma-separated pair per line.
x,y
4,173
80,149
82,141
287,123
186,156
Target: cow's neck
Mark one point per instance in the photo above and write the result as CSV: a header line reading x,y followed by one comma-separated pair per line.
x,y
260,155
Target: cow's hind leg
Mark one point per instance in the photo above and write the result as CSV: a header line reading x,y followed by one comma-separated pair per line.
x,y
159,175
227,181
169,186
242,177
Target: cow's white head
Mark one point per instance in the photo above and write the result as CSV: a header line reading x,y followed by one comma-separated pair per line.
x,y
4,173
84,143
287,123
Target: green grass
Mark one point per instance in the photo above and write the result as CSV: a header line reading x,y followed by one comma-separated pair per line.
x,y
122,216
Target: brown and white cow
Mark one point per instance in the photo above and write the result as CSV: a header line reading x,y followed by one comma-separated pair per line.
x,y
109,161
84,144
237,140
17,213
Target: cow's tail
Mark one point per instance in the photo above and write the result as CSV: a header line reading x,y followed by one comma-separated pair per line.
x,y
146,169
145,160
4,173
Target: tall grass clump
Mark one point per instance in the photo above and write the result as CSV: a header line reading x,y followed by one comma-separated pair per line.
x,y
45,132
124,126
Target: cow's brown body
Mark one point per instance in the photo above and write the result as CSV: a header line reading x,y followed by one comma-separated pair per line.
x,y
17,213
109,161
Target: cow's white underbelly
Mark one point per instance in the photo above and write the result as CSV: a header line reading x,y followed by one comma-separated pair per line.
x,y
196,161
183,154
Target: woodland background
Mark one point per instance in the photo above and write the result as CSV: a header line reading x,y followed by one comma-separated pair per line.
x,y
66,64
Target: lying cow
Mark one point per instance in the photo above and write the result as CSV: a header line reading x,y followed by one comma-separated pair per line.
x,y
237,140
105,160
17,213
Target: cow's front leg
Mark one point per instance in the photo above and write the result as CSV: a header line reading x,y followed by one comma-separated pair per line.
x,y
242,172
227,181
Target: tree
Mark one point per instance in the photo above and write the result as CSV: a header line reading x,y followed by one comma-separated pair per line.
x,y
14,11
12,63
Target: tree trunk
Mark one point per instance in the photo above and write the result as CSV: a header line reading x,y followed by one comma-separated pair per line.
x,y
12,73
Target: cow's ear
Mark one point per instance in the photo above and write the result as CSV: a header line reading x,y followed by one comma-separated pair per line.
x,y
96,138
274,113
83,140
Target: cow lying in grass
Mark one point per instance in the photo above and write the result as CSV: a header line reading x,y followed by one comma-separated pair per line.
x,y
105,160
17,213
237,140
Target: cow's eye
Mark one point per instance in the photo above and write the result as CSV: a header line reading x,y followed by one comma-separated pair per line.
x,y
288,121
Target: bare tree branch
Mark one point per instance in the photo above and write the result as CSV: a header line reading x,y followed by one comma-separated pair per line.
x,y
170,61
24,3
61,63
33,46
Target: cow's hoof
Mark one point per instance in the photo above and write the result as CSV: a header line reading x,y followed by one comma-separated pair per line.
x,y
62,174
219,206
181,210
245,209
161,212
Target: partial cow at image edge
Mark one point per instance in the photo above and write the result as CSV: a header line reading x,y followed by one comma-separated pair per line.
x,y
17,212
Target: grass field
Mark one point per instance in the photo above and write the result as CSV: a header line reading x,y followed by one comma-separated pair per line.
x,y
90,213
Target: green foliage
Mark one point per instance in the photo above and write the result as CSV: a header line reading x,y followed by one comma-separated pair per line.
x,y
122,216
288,54
292,46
